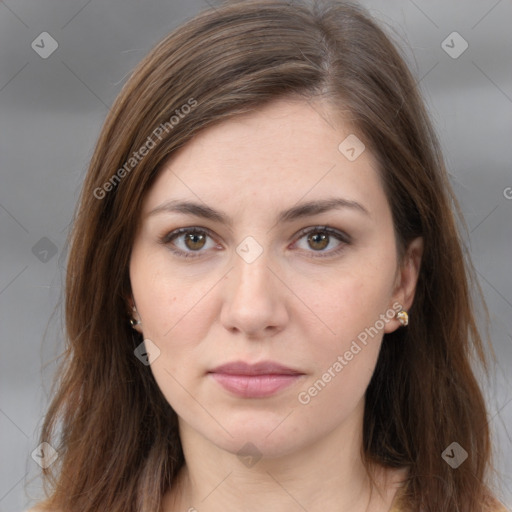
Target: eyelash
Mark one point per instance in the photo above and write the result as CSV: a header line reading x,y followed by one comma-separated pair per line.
x,y
169,237
343,238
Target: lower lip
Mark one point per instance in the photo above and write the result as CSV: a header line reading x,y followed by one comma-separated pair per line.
x,y
255,386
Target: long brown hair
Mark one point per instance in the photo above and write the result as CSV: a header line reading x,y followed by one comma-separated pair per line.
x,y
119,448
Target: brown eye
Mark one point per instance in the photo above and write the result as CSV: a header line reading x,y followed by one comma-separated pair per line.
x,y
318,240
189,242
322,241
195,241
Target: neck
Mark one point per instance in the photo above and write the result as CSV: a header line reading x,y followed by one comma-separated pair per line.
x,y
328,475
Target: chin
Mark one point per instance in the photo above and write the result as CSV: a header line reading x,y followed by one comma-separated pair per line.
x,y
256,445
260,431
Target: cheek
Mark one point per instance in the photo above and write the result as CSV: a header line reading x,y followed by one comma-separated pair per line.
x,y
176,314
344,362
352,302
355,307
174,309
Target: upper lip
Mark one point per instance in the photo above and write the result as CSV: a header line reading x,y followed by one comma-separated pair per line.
x,y
261,368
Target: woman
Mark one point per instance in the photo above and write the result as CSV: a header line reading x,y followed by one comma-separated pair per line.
x,y
267,305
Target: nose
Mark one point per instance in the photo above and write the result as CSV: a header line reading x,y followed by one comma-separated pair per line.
x,y
254,300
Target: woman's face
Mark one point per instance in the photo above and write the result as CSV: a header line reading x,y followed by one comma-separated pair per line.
x,y
265,241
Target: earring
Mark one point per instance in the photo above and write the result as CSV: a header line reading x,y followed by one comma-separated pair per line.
x,y
403,318
134,322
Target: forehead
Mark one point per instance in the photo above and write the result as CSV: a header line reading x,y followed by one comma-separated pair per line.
x,y
277,154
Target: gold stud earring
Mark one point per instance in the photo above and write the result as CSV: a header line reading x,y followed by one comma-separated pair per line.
x,y
403,318
134,322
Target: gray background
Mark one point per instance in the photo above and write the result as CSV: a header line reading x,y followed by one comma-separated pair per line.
x,y
51,113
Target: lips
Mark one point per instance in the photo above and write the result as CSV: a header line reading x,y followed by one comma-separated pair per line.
x,y
263,368
258,380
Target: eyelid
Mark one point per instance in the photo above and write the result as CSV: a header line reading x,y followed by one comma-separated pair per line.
x,y
341,236
167,239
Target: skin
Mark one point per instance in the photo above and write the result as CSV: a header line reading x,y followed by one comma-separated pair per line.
x,y
289,305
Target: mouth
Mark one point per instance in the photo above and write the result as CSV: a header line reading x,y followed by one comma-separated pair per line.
x,y
258,380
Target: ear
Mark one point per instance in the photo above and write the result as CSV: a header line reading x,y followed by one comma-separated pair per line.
x,y
133,314
406,279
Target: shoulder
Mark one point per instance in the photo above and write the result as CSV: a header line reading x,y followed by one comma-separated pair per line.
x,y
400,484
495,505
498,507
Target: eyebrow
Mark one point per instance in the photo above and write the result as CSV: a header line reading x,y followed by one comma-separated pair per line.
x,y
299,211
